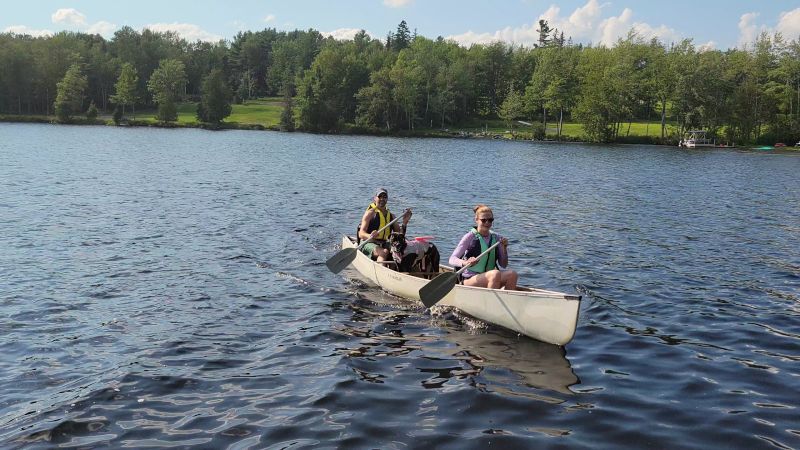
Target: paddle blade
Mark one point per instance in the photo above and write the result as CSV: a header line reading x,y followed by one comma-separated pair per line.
x,y
339,261
437,289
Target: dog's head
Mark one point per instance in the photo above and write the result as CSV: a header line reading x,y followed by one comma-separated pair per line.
x,y
398,245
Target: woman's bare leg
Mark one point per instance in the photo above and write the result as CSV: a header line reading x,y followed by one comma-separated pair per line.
x,y
494,279
510,280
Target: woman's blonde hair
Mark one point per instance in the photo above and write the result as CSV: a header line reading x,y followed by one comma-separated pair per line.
x,y
481,208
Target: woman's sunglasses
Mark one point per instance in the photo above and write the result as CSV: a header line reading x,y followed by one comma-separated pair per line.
x,y
489,220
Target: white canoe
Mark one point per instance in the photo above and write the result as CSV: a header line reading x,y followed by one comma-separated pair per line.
x,y
546,316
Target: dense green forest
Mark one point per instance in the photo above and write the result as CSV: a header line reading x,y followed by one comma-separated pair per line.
x,y
409,82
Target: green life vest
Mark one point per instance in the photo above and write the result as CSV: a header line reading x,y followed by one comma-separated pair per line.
x,y
487,262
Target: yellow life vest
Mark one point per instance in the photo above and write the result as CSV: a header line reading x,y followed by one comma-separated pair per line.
x,y
379,221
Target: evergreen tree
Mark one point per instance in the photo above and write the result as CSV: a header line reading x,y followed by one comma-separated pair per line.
x,y
215,103
544,34
402,38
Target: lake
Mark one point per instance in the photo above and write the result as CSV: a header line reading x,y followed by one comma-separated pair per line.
x,y
168,288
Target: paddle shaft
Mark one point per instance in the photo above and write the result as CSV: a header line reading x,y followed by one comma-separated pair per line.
x,y
381,229
439,287
345,256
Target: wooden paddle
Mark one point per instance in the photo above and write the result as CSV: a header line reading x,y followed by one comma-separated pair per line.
x,y
439,287
345,256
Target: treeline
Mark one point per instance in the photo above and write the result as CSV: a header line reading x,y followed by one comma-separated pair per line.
x,y
408,82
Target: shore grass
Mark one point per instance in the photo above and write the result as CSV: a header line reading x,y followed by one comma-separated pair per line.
x,y
265,113
569,131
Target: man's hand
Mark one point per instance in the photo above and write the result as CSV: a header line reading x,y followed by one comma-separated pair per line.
x,y
406,216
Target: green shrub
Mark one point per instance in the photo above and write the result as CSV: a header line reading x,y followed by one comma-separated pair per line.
x,y
117,115
91,113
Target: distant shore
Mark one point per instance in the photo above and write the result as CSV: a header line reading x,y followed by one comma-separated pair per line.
x,y
263,123
105,120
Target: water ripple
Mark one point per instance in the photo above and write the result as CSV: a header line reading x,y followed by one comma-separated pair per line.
x,y
167,288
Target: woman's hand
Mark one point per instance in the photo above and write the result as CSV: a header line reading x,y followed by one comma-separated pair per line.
x,y
470,261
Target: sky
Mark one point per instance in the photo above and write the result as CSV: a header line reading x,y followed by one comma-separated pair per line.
x,y
714,24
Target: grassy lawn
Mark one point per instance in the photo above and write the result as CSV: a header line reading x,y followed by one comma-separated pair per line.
x,y
263,111
266,112
570,129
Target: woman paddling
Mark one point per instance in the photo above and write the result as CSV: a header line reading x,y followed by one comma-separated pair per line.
x,y
484,272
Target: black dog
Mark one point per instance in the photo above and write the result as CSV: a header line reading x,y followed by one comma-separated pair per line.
x,y
414,256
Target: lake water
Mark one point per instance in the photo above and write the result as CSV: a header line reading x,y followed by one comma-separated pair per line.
x,y
167,288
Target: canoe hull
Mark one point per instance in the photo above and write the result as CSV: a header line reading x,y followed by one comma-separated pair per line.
x,y
546,316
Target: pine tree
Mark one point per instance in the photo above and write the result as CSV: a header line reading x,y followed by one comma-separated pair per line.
x,y
215,103
544,33
402,38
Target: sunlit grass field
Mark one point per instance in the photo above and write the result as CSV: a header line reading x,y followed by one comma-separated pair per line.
x,y
264,111
569,129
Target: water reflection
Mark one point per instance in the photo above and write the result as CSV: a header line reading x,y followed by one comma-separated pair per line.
x,y
464,349
539,365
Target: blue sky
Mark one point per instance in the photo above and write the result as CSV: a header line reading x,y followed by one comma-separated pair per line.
x,y
717,24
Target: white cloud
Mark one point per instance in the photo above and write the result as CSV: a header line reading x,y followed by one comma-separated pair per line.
x,y
663,33
342,34
103,28
707,47
584,24
69,16
470,37
581,24
188,31
397,3
789,24
614,28
269,18
22,29
73,18
748,30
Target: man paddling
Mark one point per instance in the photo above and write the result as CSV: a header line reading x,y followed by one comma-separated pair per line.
x,y
376,217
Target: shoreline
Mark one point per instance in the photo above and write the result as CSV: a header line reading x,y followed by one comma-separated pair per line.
x,y
355,131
